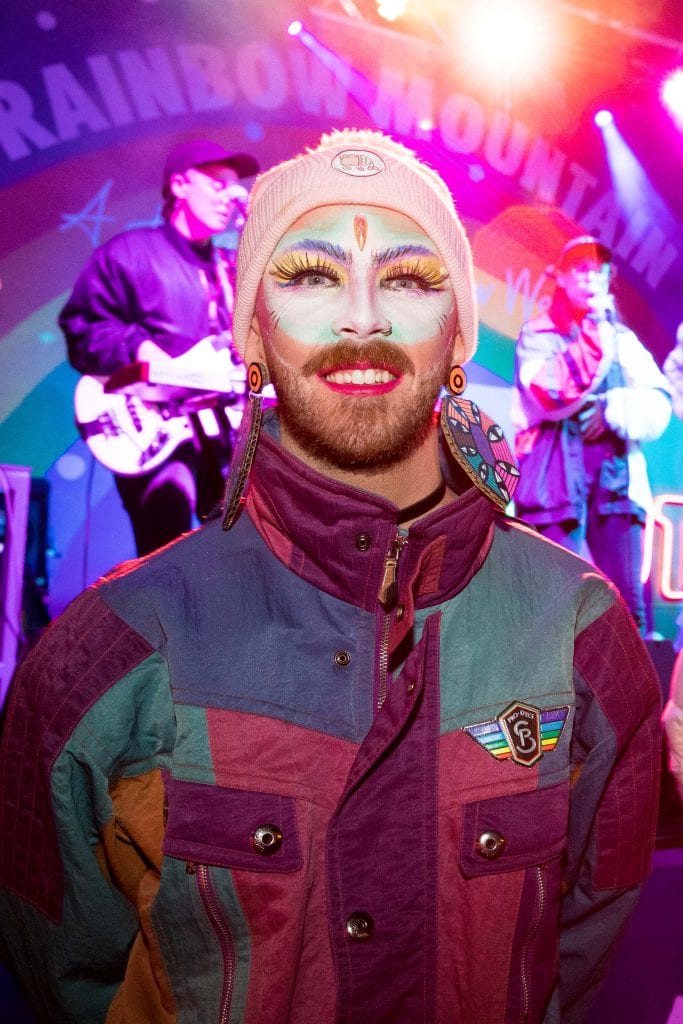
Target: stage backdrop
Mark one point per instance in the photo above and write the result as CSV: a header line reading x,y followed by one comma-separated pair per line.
x,y
93,95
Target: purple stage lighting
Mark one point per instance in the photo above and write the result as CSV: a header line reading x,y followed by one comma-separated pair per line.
x,y
603,118
294,28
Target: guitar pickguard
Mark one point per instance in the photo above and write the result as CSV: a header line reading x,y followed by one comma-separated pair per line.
x,y
134,420
124,433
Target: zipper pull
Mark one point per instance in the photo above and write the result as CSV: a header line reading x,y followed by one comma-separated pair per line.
x,y
388,590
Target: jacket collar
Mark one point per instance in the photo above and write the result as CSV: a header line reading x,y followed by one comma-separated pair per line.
x,y
337,537
199,255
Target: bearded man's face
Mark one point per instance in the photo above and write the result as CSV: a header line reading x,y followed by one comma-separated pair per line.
x,y
356,319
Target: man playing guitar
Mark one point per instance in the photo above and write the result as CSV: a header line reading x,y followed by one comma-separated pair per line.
x,y
152,294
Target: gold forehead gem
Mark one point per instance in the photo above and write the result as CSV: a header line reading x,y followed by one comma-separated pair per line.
x,y
360,230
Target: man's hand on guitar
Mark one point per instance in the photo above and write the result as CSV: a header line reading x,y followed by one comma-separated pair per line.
x,y
134,420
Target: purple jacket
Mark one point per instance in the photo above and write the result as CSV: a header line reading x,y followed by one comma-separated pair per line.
x,y
147,283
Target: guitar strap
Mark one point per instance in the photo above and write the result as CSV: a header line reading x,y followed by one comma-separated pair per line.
x,y
224,272
218,285
219,293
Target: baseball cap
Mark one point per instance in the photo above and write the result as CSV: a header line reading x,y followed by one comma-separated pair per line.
x,y
203,151
585,247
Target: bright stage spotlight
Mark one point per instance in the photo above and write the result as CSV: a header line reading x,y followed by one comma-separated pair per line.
x,y
503,43
390,10
294,28
603,118
672,95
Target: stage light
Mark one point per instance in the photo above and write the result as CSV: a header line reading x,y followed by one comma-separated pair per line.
x,y
505,43
603,118
294,28
672,95
390,10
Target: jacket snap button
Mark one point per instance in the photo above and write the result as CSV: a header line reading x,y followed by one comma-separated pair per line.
x,y
266,839
362,542
360,926
490,844
342,659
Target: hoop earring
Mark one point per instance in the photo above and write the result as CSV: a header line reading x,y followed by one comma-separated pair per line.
x,y
457,380
245,447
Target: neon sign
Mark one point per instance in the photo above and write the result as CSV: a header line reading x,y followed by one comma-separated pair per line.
x,y
668,550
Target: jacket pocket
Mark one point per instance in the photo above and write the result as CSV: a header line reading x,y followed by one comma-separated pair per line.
x,y
507,833
524,835
231,828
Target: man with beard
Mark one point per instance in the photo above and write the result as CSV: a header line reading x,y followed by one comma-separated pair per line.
x,y
360,750
587,393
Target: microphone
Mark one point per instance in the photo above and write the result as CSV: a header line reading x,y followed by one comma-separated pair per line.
x,y
238,196
603,310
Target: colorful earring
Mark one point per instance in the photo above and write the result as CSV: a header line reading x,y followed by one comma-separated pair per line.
x,y
245,446
477,444
457,380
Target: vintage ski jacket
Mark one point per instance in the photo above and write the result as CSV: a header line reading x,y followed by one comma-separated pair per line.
x,y
237,787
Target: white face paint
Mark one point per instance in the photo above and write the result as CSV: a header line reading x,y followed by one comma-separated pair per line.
x,y
356,318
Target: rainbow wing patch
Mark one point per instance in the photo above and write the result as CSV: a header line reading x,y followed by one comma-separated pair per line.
x,y
521,733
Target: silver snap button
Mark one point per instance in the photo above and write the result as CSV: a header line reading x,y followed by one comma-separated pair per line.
x,y
360,926
490,844
266,839
342,659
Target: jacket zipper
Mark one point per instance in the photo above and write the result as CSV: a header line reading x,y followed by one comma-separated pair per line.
x,y
222,931
388,597
535,924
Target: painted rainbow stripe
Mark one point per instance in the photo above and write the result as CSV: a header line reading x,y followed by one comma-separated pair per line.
x,y
491,737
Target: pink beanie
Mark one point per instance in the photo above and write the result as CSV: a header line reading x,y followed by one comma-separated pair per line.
x,y
351,167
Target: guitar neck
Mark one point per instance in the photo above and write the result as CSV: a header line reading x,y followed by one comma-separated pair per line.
x,y
169,375
207,366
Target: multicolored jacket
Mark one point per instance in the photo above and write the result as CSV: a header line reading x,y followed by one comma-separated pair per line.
x,y
237,788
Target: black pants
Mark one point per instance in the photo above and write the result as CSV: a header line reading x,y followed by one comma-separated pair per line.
x,y
162,504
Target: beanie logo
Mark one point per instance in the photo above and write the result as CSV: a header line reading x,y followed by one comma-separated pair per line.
x,y
359,163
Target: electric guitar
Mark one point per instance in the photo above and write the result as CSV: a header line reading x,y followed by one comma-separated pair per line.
x,y
134,420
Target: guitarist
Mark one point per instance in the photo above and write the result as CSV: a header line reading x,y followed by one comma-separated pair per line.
x,y
170,285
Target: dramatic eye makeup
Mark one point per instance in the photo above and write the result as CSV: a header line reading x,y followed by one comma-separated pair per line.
x,y
318,263
422,274
304,268
410,268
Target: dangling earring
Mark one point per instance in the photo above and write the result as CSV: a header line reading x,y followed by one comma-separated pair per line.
x,y
245,446
457,380
476,443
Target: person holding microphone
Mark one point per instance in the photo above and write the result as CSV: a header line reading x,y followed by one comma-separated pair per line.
x,y
586,394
